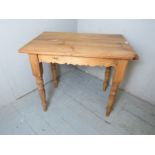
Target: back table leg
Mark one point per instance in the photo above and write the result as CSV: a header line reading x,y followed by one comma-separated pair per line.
x,y
37,71
106,78
54,74
117,78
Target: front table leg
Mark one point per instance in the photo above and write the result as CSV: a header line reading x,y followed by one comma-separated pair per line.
x,y
37,71
117,78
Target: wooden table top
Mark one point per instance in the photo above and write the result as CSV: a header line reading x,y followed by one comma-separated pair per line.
x,y
80,45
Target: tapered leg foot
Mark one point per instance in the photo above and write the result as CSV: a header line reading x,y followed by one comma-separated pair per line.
x,y
107,78
112,95
104,86
108,111
54,75
55,84
45,108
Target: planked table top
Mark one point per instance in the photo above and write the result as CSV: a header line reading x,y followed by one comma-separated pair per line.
x,y
80,45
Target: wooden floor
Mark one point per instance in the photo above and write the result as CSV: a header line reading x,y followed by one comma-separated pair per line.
x,y
77,106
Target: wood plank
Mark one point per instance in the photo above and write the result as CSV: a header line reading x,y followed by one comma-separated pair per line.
x,y
80,44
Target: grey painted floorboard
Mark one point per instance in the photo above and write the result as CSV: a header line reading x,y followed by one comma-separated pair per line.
x,y
77,106
12,123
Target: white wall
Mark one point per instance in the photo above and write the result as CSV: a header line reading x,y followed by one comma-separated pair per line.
x,y
140,77
15,72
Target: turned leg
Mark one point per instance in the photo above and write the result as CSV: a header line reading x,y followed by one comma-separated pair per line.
x,y
54,74
37,71
106,78
117,78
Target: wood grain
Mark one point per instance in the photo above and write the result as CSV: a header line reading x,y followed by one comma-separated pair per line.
x,y
80,44
77,60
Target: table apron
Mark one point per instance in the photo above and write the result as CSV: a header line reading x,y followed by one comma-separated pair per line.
x,y
78,60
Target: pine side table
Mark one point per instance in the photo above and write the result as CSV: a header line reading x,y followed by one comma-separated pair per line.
x,y
107,50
